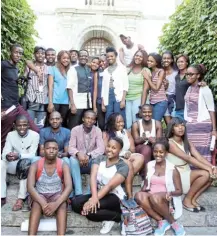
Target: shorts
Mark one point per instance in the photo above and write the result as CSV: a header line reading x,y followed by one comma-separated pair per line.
x,y
48,197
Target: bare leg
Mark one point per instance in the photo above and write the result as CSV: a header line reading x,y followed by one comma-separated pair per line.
x,y
167,119
143,199
194,199
199,178
34,218
61,217
138,162
161,206
129,179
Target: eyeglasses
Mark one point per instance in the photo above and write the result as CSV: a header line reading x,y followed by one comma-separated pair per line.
x,y
191,74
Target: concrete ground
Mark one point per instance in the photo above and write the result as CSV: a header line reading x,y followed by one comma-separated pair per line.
x,y
95,231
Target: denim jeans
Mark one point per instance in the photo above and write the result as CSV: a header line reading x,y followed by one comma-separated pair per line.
x,y
113,106
39,116
159,110
76,172
179,114
132,108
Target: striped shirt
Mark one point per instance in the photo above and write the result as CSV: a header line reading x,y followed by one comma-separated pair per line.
x,y
160,95
38,91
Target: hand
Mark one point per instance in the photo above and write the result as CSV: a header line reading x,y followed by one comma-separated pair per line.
x,y
168,196
73,109
127,155
122,104
214,171
202,84
95,110
214,133
146,75
103,107
91,205
50,208
12,156
83,159
50,107
152,140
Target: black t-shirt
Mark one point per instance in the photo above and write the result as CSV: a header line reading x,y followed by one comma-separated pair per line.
x,y
9,90
181,89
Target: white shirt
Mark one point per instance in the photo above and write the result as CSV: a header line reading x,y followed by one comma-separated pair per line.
x,y
22,145
129,53
205,104
121,83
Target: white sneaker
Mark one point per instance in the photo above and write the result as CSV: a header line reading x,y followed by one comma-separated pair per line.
x,y
106,226
123,232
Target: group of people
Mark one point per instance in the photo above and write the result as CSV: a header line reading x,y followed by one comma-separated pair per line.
x,y
103,116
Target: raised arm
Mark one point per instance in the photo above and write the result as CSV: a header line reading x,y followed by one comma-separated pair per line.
x,y
153,86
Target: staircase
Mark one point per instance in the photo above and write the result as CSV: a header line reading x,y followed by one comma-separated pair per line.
x,y
80,225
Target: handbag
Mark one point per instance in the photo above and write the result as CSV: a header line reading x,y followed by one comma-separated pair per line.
x,y
135,219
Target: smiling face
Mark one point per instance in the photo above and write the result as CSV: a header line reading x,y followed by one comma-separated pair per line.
x,y
192,75
16,54
74,56
50,56
167,60
119,123
138,58
65,59
51,150
94,64
151,62
113,149
83,57
40,55
146,113
159,153
182,63
22,127
111,58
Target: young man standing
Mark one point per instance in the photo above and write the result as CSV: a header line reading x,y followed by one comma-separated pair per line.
x,y
74,57
60,134
10,95
21,143
45,183
50,56
79,89
127,52
86,144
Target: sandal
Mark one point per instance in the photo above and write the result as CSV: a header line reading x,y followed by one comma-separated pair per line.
x,y
18,205
201,208
191,209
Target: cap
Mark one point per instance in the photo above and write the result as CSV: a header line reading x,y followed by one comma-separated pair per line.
x,y
37,48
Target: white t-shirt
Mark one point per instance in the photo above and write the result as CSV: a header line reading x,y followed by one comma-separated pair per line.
x,y
105,174
129,53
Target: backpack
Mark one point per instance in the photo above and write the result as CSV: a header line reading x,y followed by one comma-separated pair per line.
x,y
135,219
41,166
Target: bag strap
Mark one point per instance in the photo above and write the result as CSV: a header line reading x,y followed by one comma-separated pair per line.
x,y
40,168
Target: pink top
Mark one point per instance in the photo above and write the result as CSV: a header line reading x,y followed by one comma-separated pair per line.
x,y
160,95
158,184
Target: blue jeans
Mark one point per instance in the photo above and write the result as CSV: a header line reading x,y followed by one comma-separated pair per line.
x,y
159,110
132,108
179,114
76,172
113,106
39,116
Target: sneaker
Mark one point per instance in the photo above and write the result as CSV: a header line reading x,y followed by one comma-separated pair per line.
x,y
106,227
123,232
178,228
163,226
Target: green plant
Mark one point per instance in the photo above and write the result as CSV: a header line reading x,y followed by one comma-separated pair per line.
x,y
17,26
193,30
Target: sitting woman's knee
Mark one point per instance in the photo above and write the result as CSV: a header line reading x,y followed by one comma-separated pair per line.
x,y
62,206
205,174
156,199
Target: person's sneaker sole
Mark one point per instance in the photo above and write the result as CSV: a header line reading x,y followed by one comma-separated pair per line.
x,y
102,232
168,227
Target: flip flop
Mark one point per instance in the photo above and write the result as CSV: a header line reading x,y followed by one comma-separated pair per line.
x,y
191,209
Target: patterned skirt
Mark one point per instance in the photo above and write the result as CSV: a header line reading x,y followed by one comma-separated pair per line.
x,y
200,135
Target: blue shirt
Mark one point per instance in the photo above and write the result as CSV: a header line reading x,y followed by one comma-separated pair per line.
x,y
62,137
60,95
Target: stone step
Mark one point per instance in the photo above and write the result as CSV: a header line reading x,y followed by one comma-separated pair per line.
x,y
201,219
